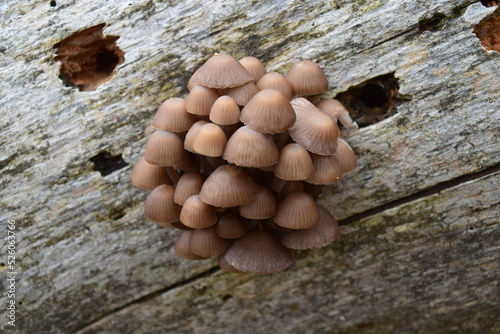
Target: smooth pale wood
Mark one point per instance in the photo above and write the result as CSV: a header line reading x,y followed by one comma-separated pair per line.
x,y
84,249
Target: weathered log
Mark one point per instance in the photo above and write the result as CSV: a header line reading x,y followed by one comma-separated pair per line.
x,y
88,261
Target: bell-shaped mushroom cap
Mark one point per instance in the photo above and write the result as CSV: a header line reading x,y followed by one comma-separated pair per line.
x,y
225,111
313,129
327,169
188,140
277,81
189,184
182,246
259,252
231,226
160,207
164,149
345,155
261,207
241,94
249,148
221,71
325,232
254,67
307,78
224,265
207,243
200,100
147,176
298,210
294,164
210,140
197,214
228,186
269,111
172,116
335,110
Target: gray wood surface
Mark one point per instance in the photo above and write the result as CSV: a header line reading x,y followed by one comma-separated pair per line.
x,y
415,262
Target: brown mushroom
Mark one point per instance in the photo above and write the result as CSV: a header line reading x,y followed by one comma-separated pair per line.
x,y
294,163
200,100
189,184
345,155
210,140
276,81
172,116
164,149
160,206
298,210
197,214
254,66
231,226
207,243
241,94
307,78
225,111
327,169
261,207
182,246
147,176
335,110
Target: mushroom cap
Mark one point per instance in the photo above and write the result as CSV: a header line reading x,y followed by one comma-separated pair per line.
x,y
189,184
172,116
197,214
200,100
276,81
182,246
294,163
249,148
261,207
298,210
188,140
335,110
345,155
327,169
164,149
160,207
147,176
241,94
225,111
269,111
325,232
209,140
313,129
307,78
254,67
231,226
221,71
207,243
228,186
259,252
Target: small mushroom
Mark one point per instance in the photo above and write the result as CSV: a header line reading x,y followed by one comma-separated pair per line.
x,y
327,169
276,81
197,214
249,148
269,111
221,71
345,155
231,226
298,210
164,149
172,116
147,176
207,243
294,163
335,110
241,94
225,111
188,140
254,66
261,207
325,232
182,246
210,140
259,252
160,206
307,78
313,129
200,100
228,186
189,184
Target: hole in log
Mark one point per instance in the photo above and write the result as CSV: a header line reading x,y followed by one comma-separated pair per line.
x,y
105,163
372,100
488,31
88,59
490,3
432,24
53,3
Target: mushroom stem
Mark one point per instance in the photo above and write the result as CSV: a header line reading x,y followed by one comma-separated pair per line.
x,y
172,173
205,165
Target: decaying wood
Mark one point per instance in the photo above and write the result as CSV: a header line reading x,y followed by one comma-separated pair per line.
x,y
90,262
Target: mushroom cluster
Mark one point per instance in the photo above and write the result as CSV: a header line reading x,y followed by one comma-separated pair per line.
x,y
238,163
